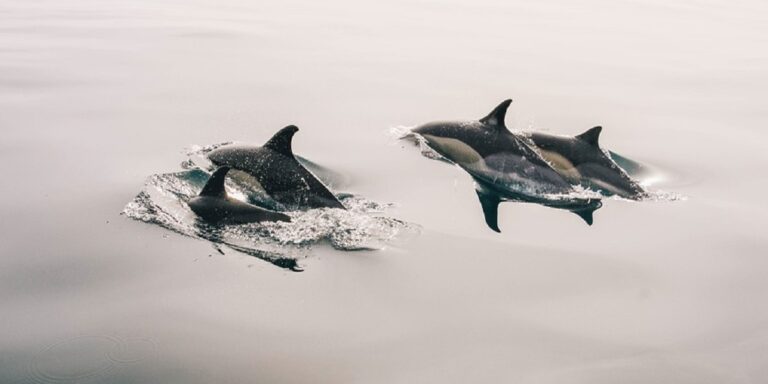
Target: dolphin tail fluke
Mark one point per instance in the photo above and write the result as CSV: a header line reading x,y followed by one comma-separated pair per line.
x,y
586,214
490,203
215,184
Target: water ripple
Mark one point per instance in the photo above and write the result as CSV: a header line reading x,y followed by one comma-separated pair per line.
x,y
363,226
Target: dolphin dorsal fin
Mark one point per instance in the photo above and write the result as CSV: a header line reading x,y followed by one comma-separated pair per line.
x,y
496,117
591,136
214,187
281,141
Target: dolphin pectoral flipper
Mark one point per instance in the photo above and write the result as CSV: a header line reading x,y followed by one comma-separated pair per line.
x,y
490,203
496,117
214,187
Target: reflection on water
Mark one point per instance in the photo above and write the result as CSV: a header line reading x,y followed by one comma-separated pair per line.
x,y
163,201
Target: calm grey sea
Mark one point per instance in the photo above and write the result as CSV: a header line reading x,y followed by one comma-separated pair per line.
x,y
95,96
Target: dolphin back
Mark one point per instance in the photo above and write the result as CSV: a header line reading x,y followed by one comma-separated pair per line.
x,y
279,172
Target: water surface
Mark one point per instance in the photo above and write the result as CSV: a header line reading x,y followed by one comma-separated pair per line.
x,y
98,95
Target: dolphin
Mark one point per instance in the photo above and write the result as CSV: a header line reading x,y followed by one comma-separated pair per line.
x,y
488,148
275,168
580,160
504,166
214,206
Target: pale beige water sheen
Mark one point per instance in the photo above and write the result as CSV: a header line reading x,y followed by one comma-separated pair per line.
x,y
97,95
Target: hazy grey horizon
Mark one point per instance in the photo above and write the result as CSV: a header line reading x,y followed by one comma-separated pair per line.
x,y
96,96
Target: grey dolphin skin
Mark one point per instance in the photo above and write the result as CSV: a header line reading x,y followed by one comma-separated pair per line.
x,y
278,171
581,161
503,165
214,206
488,148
